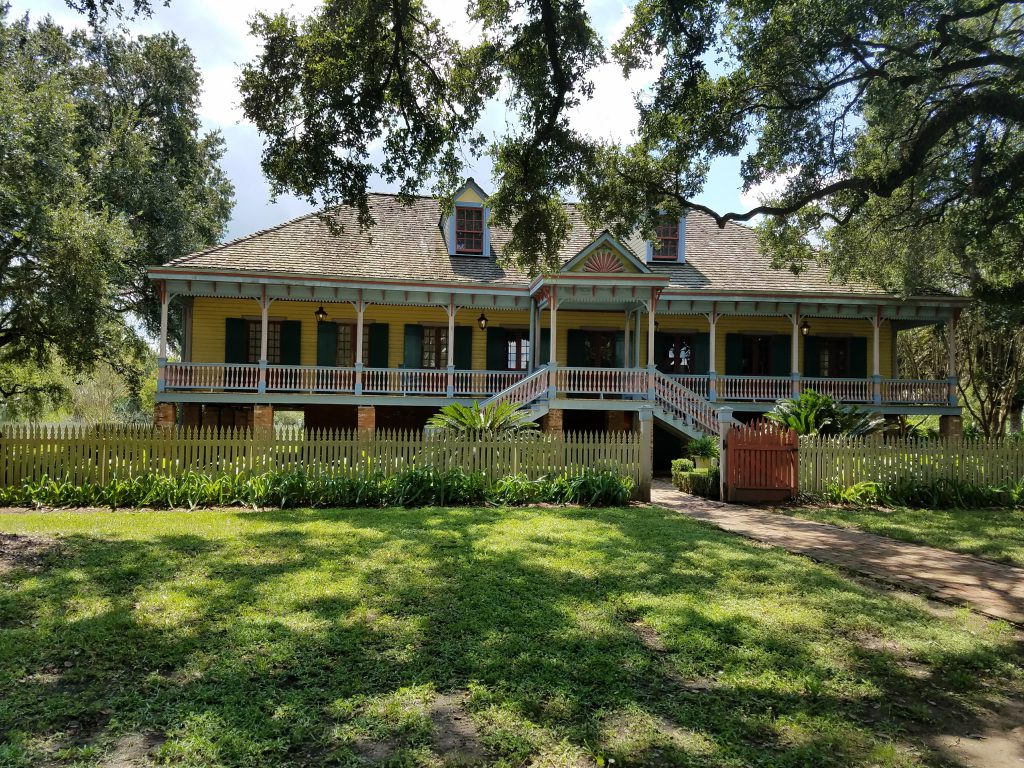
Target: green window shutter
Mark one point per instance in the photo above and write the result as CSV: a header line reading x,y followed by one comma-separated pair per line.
x,y
733,354
236,340
620,349
378,341
701,353
782,355
812,356
291,342
413,346
575,353
858,357
544,352
327,344
463,352
497,353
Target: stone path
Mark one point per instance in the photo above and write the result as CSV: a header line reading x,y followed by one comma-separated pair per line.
x,y
990,588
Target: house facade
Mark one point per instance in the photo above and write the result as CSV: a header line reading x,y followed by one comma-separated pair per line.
x,y
379,328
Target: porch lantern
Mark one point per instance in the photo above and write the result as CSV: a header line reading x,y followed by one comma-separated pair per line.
x,y
482,321
805,327
320,314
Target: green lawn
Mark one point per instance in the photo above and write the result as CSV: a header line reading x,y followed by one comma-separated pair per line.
x,y
542,637
995,534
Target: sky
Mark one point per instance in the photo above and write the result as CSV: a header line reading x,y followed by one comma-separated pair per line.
x,y
218,33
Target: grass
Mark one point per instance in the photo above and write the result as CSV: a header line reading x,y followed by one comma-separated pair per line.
x,y
536,637
994,534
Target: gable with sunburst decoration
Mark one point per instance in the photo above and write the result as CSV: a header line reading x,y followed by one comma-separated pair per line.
x,y
603,260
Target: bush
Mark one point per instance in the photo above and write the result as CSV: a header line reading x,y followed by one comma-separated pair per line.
x,y
411,487
936,494
699,482
703,447
682,465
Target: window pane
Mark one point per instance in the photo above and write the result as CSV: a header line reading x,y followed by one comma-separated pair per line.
x,y
273,341
469,230
345,355
667,246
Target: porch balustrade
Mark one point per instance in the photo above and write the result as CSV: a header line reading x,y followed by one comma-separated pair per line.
x,y
592,382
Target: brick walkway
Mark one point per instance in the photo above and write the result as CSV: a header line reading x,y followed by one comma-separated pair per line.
x,y
990,588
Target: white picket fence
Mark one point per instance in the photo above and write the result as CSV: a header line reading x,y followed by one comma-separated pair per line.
x,y
97,453
846,461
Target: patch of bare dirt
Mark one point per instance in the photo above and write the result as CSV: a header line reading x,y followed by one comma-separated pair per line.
x,y
455,737
375,752
133,750
651,640
31,552
996,741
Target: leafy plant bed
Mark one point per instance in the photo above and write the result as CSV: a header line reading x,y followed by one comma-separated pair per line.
x,y
410,488
699,482
431,636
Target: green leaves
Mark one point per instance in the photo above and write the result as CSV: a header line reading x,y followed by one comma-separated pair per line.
x,y
815,414
494,419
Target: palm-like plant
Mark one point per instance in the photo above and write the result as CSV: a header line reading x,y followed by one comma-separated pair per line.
x,y
503,419
815,414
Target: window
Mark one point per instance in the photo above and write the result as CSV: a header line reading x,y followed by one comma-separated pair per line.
x,y
346,354
757,355
835,358
273,341
435,347
667,245
469,229
678,354
517,345
599,349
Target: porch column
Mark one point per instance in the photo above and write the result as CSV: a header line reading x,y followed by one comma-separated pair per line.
x,y
553,343
625,343
360,307
876,357
451,346
651,314
264,312
161,360
531,348
951,363
712,352
794,354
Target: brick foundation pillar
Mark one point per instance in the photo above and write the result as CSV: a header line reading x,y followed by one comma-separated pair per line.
x,y
618,421
551,423
366,419
164,415
951,426
262,418
192,415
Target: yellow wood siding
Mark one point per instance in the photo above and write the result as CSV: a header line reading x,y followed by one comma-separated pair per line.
x,y
209,315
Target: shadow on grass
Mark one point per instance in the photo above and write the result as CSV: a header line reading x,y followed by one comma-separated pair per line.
x,y
308,633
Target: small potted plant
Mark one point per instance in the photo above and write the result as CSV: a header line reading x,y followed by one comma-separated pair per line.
x,y
704,451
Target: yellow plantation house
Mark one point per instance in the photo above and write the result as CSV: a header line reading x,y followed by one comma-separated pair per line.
x,y
379,328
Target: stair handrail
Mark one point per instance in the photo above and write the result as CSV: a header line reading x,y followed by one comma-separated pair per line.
x,y
522,392
683,401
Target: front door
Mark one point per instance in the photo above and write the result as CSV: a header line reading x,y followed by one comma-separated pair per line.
x,y
757,356
599,349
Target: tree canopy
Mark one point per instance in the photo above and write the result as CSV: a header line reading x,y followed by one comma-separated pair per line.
x,y
882,121
103,172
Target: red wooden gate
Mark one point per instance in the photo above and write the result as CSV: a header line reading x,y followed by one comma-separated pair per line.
x,y
760,462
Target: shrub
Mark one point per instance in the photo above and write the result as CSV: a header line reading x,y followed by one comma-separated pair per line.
x,y
812,413
941,494
703,447
699,482
415,486
682,465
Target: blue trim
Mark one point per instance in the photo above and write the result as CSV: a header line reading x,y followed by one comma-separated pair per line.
x,y
680,246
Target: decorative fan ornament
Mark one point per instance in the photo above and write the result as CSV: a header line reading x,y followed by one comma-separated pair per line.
x,y
603,261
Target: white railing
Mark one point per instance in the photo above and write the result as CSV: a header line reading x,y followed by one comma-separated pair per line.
x,y
683,403
211,376
524,391
405,381
698,384
484,383
305,378
767,388
602,381
917,391
843,390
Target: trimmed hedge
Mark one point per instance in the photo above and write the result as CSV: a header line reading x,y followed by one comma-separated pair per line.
x,y
699,482
413,487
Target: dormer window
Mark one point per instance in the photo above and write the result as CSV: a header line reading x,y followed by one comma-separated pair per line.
x,y
469,229
667,245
